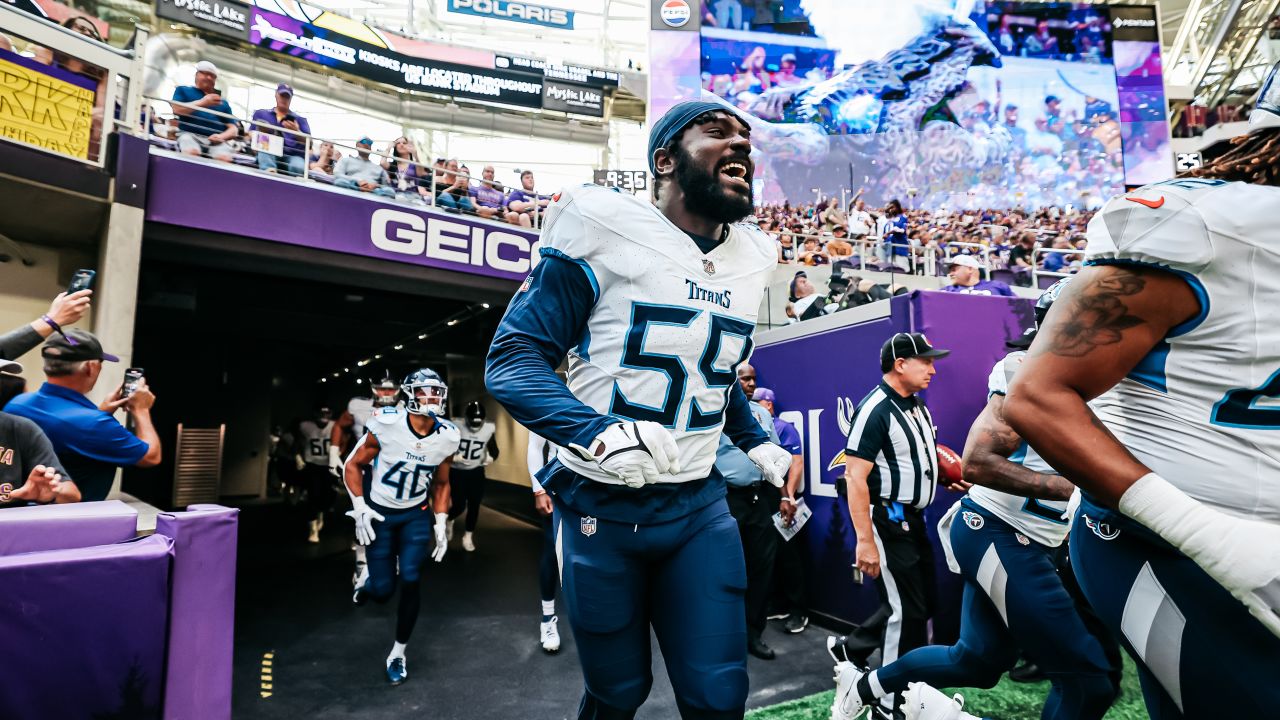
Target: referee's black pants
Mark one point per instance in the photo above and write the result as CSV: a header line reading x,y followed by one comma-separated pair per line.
x,y
751,507
908,594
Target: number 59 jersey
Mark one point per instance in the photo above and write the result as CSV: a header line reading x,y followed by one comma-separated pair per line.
x,y
670,324
1202,408
401,475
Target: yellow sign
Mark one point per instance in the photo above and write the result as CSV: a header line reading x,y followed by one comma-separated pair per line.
x,y
39,109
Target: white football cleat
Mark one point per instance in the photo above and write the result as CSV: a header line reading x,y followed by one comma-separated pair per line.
x,y
361,574
467,543
924,702
847,705
314,535
551,635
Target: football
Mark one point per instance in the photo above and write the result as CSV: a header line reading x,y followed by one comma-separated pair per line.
x,y
950,469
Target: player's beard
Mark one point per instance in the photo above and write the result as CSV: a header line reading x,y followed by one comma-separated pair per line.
x,y
705,195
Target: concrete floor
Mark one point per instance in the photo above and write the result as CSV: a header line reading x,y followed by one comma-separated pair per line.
x,y
474,654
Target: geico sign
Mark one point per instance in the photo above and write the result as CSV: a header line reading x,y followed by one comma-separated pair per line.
x,y
515,11
409,234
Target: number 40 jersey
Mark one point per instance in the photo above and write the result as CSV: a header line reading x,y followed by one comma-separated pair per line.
x,y
1202,408
402,473
670,324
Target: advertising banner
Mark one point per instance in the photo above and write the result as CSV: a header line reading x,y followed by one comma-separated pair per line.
x,y
567,97
551,17
45,106
820,371
224,17
337,221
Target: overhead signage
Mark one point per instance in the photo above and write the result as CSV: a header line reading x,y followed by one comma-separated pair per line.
x,y
571,73
570,98
674,15
633,180
224,17
1134,22
45,106
551,17
332,49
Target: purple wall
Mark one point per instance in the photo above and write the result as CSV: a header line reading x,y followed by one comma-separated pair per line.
x,y
811,373
201,195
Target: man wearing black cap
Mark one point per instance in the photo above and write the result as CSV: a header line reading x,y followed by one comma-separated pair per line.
x,y
88,440
654,306
891,471
29,470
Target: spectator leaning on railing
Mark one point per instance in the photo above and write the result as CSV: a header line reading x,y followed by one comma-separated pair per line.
x,y
324,160
454,189
87,439
404,172
200,131
280,116
361,173
523,202
30,471
487,194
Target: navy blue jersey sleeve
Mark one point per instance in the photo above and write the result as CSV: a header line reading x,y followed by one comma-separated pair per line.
x,y
545,319
739,423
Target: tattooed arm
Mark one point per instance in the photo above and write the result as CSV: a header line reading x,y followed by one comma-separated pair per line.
x,y
986,459
1106,321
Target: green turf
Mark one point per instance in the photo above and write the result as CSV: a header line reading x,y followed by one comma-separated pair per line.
x,y
1006,701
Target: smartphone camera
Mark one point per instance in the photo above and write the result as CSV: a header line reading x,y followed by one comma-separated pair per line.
x,y
132,377
82,280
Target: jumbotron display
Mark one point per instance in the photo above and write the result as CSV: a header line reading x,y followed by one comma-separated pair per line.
x,y
941,104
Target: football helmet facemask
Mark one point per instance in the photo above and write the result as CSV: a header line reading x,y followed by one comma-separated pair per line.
x,y
425,393
475,415
385,392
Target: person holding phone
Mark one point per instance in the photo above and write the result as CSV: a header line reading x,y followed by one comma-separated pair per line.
x,y
65,310
205,123
281,116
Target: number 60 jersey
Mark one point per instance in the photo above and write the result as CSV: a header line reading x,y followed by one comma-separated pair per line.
x,y
670,324
401,475
1202,408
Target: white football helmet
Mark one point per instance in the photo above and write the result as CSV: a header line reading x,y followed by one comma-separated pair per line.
x,y
425,393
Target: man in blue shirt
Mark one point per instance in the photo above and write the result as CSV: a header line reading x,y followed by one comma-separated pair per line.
x,y
201,131
966,277
90,442
749,497
280,116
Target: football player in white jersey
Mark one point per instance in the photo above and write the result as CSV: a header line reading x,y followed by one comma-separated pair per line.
x,y
407,452
348,428
1003,538
1177,538
654,306
312,457
477,449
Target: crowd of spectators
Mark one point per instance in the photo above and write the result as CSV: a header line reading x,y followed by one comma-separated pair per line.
x,y
205,126
59,446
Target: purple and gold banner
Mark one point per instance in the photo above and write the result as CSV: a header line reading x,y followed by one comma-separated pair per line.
x,y
340,221
820,370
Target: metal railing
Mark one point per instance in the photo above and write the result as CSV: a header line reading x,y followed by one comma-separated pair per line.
x,y
870,253
1037,259
422,187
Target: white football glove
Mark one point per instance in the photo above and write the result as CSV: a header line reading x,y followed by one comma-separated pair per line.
x,y
299,463
634,452
1240,554
773,461
442,538
335,461
364,517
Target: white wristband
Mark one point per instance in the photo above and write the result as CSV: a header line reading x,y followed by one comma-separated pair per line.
x,y
357,502
789,500
441,519
1168,511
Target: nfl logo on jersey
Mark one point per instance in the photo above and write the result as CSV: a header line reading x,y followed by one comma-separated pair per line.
x,y
708,266
588,526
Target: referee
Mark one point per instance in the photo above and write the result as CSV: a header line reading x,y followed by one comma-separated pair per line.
x,y
891,467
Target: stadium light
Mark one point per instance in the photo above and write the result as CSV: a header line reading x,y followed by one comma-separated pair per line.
x,y
399,347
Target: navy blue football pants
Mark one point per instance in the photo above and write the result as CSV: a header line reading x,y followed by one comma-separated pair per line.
x,y
1013,598
1199,651
685,579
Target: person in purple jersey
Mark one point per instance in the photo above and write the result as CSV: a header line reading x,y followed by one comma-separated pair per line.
x,y
487,195
966,277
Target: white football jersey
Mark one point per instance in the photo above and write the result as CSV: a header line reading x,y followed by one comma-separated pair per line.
x,y
1201,409
401,475
670,324
361,409
315,442
471,448
1044,521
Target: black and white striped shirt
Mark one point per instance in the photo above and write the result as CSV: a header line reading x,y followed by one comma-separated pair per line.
x,y
896,435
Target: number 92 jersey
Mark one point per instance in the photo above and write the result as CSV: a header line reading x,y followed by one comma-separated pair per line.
x,y
1201,409
670,324
401,475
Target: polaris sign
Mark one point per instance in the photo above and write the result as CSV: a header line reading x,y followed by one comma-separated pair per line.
x,y
515,12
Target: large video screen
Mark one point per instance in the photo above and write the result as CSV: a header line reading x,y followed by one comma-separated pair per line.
x,y
943,104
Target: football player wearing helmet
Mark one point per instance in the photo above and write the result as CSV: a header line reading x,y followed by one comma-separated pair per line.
x,y
1003,539
654,307
408,451
346,430
1151,386
477,449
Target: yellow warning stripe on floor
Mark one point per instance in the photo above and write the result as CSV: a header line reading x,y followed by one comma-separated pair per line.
x,y
266,683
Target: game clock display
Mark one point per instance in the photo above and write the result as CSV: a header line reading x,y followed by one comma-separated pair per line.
x,y
633,180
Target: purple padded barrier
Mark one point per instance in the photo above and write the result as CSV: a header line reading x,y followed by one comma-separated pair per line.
x,y
57,527
974,328
201,612
84,631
